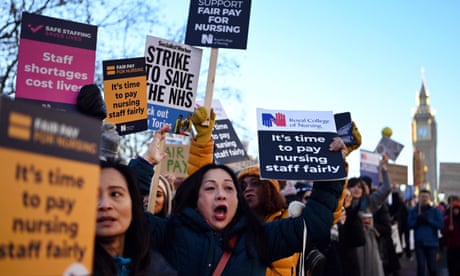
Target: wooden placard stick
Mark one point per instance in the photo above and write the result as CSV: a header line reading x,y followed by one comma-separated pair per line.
x,y
419,204
210,82
154,183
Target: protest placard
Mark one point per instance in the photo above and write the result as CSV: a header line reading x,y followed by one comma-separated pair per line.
x,y
345,128
218,24
369,165
56,58
294,145
227,146
389,147
125,94
172,80
50,170
177,148
398,173
449,178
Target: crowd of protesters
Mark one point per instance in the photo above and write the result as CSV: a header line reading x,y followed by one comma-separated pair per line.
x,y
221,221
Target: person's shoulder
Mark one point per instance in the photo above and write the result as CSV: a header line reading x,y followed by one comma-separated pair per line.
x,y
437,210
280,214
159,265
151,218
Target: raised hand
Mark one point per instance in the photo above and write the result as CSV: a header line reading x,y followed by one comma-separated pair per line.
x,y
204,131
338,145
154,153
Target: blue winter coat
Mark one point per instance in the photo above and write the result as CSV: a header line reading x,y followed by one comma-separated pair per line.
x,y
195,248
426,233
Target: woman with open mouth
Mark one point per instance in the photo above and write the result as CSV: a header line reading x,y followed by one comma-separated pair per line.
x,y
212,230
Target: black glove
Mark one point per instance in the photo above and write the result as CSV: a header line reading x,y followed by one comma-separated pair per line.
x,y
422,219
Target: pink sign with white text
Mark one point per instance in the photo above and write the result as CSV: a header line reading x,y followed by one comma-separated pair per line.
x,y
56,58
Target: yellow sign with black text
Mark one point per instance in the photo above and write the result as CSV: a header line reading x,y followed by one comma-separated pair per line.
x,y
50,170
125,94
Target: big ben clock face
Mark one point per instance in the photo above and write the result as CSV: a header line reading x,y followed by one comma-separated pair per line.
x,y
423,132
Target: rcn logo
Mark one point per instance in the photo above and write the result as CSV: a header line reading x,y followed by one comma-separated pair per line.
x,y
207,38
269,120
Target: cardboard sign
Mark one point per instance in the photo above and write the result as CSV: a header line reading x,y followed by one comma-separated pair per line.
x,y
56,58
176,161
125,94
172,80
449,178
218,24
177,149
398,173
294,145
50,170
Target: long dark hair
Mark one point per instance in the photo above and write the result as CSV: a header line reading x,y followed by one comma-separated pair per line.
x,y
271,200
356,181
187,197
137,242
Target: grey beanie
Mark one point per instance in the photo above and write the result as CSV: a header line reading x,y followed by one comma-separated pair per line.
x,y
110,140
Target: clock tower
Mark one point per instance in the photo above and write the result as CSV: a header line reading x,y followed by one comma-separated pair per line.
x,y
424,137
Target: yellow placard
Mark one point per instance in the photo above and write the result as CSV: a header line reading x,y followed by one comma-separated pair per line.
x,y
48,214
127,100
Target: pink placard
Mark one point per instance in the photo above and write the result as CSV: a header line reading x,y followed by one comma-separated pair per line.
x,y
51,72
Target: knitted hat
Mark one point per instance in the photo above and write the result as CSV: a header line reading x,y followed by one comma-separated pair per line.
x,y
165,186
109,142
455,204
90,102
255,171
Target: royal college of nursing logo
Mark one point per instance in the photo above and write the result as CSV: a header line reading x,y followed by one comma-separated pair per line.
x,y
207,38
278,120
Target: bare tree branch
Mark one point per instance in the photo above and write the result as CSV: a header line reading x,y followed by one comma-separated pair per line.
x,y
122,28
